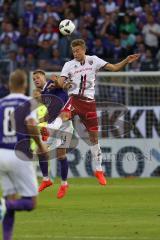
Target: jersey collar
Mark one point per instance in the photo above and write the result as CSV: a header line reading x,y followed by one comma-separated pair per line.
x,y
44,86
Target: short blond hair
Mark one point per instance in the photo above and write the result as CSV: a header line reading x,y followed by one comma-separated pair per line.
x,y
18,79
78,42
39,71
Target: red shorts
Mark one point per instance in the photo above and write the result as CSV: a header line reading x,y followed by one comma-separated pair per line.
x,y
85,109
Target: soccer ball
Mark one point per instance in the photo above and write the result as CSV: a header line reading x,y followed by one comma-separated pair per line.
x,y
66,27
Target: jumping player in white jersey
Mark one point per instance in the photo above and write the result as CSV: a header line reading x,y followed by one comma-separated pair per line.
x,y
17,124
82,72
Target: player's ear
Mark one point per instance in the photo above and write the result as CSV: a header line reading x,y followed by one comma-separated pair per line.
x,y
53,77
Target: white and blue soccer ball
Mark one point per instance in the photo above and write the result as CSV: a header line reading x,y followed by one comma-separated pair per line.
x,y
66,27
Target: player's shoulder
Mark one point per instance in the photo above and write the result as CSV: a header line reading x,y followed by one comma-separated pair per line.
x,y
92,57
17,98
70,63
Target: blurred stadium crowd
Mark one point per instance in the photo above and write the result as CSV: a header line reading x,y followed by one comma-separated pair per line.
x,y
112,29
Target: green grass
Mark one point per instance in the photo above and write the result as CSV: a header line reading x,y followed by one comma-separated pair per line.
x,y
126,209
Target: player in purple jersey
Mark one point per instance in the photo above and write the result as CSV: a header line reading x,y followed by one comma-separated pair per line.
x,y
17,123
54,99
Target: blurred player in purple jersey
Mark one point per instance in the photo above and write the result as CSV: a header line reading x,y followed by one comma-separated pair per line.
x,y
54,99
17,123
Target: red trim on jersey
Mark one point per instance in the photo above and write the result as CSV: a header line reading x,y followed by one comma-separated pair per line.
x,y
84,84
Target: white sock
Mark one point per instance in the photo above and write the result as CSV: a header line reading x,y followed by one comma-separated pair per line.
x,y
64,183
56,124
97,156
45,178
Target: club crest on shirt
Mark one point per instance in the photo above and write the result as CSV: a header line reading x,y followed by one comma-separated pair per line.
x,y
75,66
90,62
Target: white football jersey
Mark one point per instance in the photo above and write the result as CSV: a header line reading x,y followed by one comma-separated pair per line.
x,y
83,76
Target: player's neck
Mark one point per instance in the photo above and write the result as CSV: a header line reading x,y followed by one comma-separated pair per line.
x,y
82,61
18,91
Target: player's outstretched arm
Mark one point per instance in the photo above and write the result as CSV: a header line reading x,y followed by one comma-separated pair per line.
x,y
119,66
57,81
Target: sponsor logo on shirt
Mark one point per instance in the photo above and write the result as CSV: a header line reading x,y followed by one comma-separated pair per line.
x,y
83,70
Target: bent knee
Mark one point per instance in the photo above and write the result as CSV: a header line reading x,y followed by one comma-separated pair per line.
x,y
33,204
65,115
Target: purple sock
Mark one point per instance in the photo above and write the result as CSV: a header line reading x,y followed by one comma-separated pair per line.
x,y
63,168
22,204
8,223
43,163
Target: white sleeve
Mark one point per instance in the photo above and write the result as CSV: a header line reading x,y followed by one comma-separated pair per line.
x,y
33,115
99,62
33,111
65,70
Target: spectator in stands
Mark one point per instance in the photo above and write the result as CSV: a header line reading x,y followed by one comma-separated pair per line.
x,y
49,12
48,35
31,40
151,33
21,42
55,64
118,51
101,17
20,58
54,23
128,25
43,64
141,48
12,57
111,6
40,5
31,63
7,46
139,39
21,24
127,41
109,27
149,63
88,17
98,48
155,4
108,43
4,89
29,13
45,50
10,32
39,23
141,15
88,38
5,8
135,67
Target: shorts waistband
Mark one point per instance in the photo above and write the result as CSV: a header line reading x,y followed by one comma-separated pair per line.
x,y
82,97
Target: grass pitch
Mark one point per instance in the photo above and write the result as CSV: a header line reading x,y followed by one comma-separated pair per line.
x,y
126,209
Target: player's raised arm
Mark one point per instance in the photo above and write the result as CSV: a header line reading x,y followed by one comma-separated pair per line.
x,y
58,81
119,66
